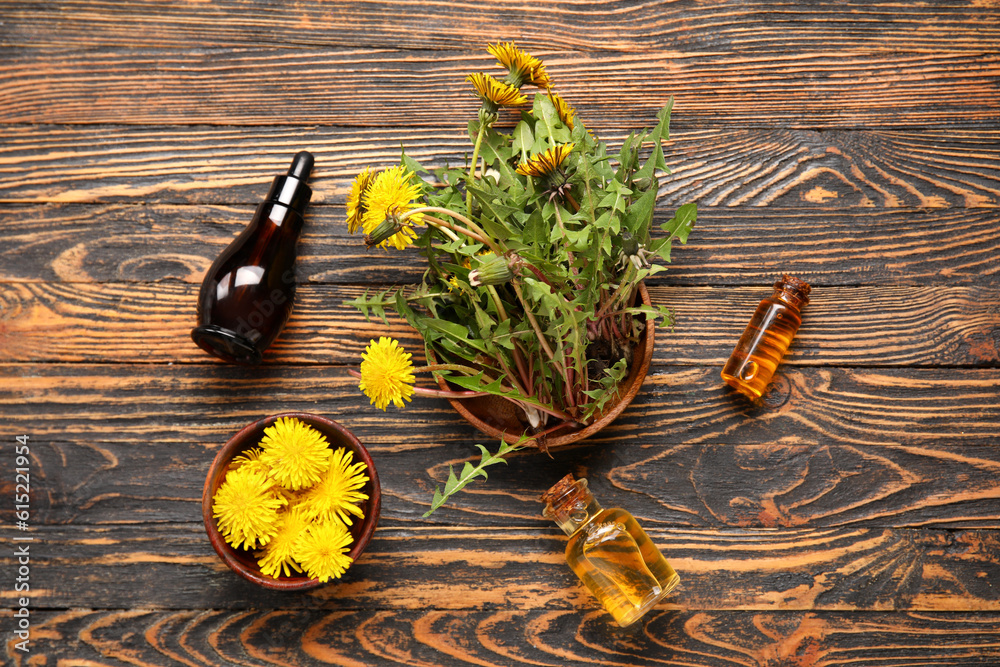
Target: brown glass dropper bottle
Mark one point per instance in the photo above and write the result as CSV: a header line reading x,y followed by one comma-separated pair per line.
x,y
247,295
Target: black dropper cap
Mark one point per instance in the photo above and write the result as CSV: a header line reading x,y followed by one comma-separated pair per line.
x,y
291,190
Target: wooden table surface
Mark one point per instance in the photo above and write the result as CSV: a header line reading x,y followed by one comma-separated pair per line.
x,y
854,518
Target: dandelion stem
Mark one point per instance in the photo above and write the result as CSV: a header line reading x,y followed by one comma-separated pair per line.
x,y
437,209
562,228
450,228
573,202
499,304
552,429
443,226
513,379
434,393
431,368
522,369
568,387
483,237
626,279
534,322
448,393
475,163
541,408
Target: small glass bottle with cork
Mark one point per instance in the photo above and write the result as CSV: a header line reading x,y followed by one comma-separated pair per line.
x,y
767,337
609,552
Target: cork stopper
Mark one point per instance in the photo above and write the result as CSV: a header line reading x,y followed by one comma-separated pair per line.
x,y
559,489
796,284
569,503
793,291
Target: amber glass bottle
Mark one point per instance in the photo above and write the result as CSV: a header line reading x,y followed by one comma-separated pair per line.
x,y
247,295
766,339
609,551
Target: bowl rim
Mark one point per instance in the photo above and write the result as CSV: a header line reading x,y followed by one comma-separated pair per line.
x,y
240,442
627,391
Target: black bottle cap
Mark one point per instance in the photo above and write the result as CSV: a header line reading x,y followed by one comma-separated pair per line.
x,y
302,165
291,190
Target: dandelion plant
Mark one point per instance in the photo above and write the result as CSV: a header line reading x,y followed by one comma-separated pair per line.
x,y
535,251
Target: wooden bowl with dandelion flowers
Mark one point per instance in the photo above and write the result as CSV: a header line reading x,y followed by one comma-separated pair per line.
x,y
291,501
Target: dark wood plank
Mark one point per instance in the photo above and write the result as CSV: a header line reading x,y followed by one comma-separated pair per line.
x,y
625,25
757,168
730,246
367,88
908,407
524,569
553,638
853,517
853,326
96,481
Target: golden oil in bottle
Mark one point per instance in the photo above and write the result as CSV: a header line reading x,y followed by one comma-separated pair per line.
x,y
766,339
609,552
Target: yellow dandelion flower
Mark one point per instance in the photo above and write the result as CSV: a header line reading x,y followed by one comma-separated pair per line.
x,y
336,495
296,453
522,65
386,373
355,208
495,91
276,558
249,459
547,162
322,550
453,285
246,508
392,193
565,111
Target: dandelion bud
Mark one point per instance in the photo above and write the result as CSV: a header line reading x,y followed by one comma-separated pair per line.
x,y
384,230
633,251
630,156
630,245
488,117
643,184
492,270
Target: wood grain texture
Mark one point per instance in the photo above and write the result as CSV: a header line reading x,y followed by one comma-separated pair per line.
x,y
546,638
94,480
625,25
524,569
922,408
850,518
828,247
717,167
367,88
853,326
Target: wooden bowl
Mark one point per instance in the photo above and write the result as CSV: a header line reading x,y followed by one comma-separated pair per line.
x,y
499,418
242,561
